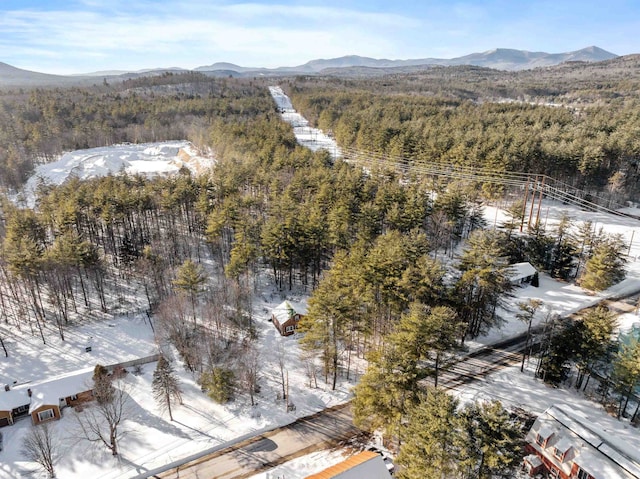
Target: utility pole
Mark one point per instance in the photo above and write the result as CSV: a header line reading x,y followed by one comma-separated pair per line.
x,y
524,207
540,200
533,201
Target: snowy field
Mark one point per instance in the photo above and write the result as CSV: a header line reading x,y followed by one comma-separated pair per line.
x,y
151,440
148,159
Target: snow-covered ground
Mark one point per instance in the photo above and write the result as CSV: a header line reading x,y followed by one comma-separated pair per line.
x,y
312,138
564,298
152,440
149,159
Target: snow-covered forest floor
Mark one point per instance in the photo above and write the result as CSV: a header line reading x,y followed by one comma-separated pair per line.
x,y
151,440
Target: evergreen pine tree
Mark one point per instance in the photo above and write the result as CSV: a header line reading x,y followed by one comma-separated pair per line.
x,y
428,438
605,267
165,386
484,284
190,280
491,443
626,373
219,384
595,333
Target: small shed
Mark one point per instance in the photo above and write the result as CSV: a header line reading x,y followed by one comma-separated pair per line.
x,y
287,315
521,273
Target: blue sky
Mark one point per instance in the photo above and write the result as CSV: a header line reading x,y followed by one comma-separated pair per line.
x,y
80,36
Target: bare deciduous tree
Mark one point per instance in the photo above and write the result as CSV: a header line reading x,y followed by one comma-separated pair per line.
x,y
100,421
249,368
41,445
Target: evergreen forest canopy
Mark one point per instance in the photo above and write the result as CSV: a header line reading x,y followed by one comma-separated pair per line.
x,y
368,245
272,202
579,123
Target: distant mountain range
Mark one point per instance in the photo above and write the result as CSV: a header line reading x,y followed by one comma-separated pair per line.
x,y
13,76
500,59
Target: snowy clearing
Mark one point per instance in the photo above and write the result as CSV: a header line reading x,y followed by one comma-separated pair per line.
x,y
149,159
312,138
151,439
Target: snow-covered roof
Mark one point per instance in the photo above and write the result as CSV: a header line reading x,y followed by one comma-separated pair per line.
x,y
534,460
546,431
521,270
56,388
366,464
597,453
563,444
13,399
287,309
48,391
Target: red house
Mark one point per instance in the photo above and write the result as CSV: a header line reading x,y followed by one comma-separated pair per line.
x,y
569,447
286,316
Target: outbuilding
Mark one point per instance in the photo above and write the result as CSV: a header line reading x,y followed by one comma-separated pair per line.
x,y
522,273
287,315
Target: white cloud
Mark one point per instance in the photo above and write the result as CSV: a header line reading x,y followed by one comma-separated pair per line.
x,y
275,34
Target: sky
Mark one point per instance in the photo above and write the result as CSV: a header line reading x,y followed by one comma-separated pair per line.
x,y
80,36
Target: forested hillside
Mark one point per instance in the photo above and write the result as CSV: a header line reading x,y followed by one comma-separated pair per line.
x,y
375,250
578,123
272,203
39,124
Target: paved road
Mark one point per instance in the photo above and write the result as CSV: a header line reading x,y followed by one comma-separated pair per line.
x,y
320,431
329,427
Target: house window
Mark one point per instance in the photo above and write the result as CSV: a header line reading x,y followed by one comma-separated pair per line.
x,y
46,414
289,329
558,453
582,474
539,440
74,397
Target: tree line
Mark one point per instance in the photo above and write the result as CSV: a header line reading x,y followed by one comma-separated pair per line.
x,y
587,145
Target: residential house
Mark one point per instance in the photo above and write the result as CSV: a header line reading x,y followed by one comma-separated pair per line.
x,y
568,447
366,464
51,396
13,404
44,400
521,273
286,317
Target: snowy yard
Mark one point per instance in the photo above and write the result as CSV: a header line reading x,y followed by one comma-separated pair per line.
x,y
151,440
